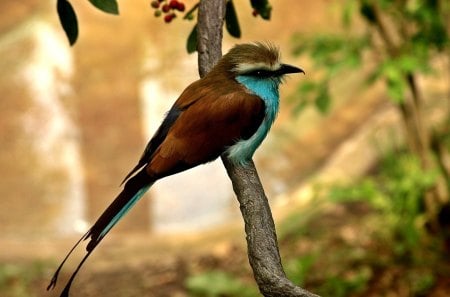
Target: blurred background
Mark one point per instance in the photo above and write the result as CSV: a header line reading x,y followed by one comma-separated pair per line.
x,y
356,166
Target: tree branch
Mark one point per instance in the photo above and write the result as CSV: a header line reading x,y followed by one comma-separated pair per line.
x,y
211,14
261,238
263,253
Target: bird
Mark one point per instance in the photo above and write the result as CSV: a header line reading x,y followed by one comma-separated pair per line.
x,y
228,112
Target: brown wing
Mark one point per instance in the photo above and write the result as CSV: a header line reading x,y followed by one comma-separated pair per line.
x,y
211,120
191,94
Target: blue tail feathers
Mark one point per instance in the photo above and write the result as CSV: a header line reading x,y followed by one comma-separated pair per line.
x,y
134,189
124,210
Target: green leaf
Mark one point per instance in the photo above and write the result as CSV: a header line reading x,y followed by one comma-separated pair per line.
x,y
190,14
303,97
307,87
262,7
191,45
108,6
409,63
392,71
298,268
396,89
68,20
347,13
231,20
322,100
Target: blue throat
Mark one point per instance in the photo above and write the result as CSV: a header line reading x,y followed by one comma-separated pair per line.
x,y
267,90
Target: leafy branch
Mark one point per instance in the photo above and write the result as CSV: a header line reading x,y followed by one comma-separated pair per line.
x,y
69,22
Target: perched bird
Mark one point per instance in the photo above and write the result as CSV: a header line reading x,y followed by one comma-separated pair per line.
x,y
229,111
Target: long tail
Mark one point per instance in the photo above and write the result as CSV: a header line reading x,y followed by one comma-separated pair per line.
x,y
134,189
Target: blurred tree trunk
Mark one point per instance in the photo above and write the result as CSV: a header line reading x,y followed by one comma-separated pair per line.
x,y
108,104
418,133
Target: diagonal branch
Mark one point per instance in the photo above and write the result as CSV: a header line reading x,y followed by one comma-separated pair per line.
x,y
261,238
263,253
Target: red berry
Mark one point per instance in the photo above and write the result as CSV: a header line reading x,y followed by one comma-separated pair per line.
x,y
255,13
181,6
173,4
165,8
154,4
168,18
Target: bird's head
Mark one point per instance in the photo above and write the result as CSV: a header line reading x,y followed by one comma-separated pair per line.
x,y
256,60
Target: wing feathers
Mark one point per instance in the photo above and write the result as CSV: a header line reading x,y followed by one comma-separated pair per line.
x,y
206,129
156,140
211,114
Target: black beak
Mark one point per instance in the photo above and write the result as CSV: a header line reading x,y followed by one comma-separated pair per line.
x,y
286,69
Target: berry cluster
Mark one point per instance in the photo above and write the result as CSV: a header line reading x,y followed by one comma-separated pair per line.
x,y
168,8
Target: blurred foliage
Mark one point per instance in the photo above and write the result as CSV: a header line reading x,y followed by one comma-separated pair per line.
x,y
388,238
331,55
17,280
396,233
344,286
396,194
299,268
219,284
420,32
391,41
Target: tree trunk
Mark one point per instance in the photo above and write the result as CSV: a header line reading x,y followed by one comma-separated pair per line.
x,y
263,253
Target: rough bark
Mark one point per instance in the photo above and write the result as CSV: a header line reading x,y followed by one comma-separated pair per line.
x,y
211,15
263,253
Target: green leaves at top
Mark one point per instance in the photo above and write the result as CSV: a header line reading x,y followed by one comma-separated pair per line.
x,y
68,17
231,20
68,20
262,7
108,6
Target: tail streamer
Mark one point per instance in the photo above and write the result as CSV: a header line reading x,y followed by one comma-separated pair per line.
x,y
134,189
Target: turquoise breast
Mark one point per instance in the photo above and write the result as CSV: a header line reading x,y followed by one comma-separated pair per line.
x,y
267,90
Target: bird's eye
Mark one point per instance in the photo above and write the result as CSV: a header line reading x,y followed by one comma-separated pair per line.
x,y
260,73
